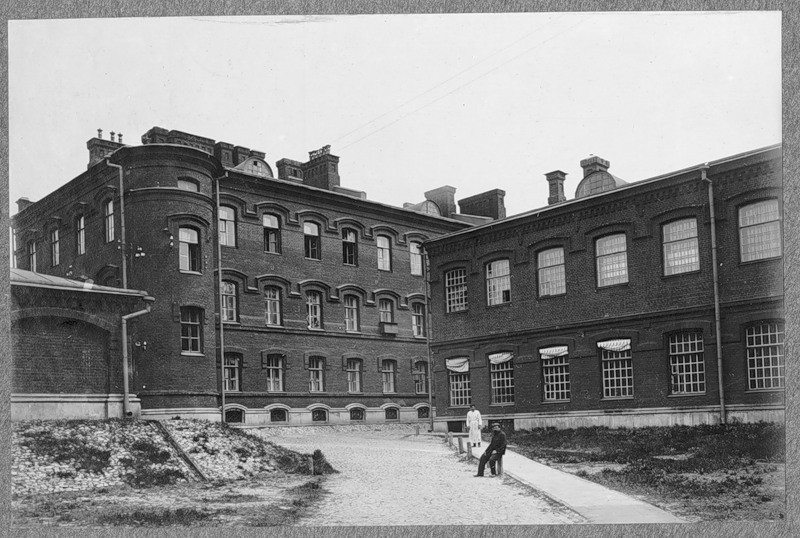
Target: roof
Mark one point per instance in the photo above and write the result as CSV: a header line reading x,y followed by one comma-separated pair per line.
x,y
21,277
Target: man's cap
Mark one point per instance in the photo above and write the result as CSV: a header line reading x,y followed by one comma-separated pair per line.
x,y
497,424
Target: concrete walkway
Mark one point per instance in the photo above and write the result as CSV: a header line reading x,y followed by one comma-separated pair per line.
x,y
596,503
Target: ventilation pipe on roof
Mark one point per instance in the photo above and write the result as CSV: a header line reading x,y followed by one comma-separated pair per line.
x,y
715,277
125,384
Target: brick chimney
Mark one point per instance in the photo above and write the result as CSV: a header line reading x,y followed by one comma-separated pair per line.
x,y
23,203
594,164
486,204
99,148
556,181
444,198
322,169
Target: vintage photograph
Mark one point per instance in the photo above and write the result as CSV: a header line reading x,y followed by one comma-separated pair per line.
x,y
461,269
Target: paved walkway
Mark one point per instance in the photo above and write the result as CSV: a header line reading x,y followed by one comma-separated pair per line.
x,y
404,479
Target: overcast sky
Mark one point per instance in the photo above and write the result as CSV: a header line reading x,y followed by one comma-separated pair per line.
x,y
409,102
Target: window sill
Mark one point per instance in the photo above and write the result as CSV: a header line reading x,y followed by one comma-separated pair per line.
x,y
464,311
761,391
192,354
685,394
502,404
772,258
187,272
678,275
272,253
611,286
614,398
269,326
316,330
551,402
313,259
498,305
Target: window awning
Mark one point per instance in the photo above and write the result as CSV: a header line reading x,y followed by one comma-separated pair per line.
x,y
552,352
499,358
622,344
460,364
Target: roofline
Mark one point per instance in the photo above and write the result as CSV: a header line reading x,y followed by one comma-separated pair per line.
x,y
87,287
668,175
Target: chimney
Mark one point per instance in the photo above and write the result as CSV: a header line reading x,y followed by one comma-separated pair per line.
x,y
99,149
487,204
444,198
556,181
240,154
290,170
224,152
322,169
594,164
23,203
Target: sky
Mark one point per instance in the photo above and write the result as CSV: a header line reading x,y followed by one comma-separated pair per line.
x,y
408,102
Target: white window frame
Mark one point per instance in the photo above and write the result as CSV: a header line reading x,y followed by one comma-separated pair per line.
x,y
191,330
275,367
456,290
109,220
760,231
418,320
32,255
314,309
311,241
189,249
386,310
551,272
55,247
687,363
681,248
233,365
230,302
349,247
612,260
227,226
765,356
272,233
272,306
555,374
617,367
420,377
501,376
80,234
316,374
384,247
389,375
351,312
498,282
355,368
415,258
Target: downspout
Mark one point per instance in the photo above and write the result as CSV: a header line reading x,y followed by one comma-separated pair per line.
x,y
715,276
125,387
124,246
219,288
428,334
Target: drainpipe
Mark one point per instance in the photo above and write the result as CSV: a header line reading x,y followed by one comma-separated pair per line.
x,y
428,333
219,288
715,276
122,225
125,388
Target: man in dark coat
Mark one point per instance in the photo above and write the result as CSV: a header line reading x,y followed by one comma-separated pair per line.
x,y
494,451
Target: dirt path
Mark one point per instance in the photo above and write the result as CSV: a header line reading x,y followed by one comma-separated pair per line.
x,y
401,479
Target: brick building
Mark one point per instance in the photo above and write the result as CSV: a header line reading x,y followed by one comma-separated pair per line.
x,y
606,309
66,342
322,292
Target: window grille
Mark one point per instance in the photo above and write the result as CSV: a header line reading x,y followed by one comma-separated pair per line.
x,y
498,282
277,415
357,414
227,226
687,363
384,253
351,313
612,260
391,413
316,366
555,373
191,329
314,310
229,302
275,366
681,251
552,279
388,373
760,231
354,369
617,372
765,362
456,290
501,374
272,305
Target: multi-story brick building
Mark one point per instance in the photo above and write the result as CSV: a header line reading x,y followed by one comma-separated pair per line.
x,y
607,309
322,292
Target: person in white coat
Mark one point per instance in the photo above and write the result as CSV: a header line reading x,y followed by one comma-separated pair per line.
x,y
474,425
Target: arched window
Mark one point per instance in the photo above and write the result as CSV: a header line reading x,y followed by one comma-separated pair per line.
x,y
277,415
316,374
272,234
357,414
386,310
272,305
275,364
760,231
423,412
391,413
319,415
189,249
234,415
681,251
191,329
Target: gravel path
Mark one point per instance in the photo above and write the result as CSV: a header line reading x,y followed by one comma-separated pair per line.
x,y
397,478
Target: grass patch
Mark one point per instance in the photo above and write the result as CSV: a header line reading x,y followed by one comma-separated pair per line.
x,y
71,447
158,517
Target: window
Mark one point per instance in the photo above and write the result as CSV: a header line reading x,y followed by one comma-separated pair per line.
x,y
418,319
351,313
498,283
272,234
13,246
312,246
612,260
681,252
234,415
415,255
354,369
386,310
232,373
501,374
189,249
188,185
391,413
32,255
384,253
760,231
275,365
80,234
555,373
617,364
55,247
357,414
191,329
687,363
277,415
552,279
349,247
227,226
319,415
458,377
272,305
423,412
420,377
109,220
455,283
316,369
765,364
229,302
388,374
314,309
